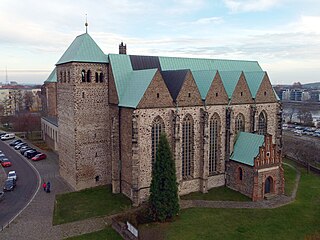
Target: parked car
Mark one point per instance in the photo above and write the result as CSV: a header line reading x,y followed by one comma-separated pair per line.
x,y
5,162
2,156
30,153
12,175
39,156
2,133
9,185
20,145
8,136
15,142
1,196
24,149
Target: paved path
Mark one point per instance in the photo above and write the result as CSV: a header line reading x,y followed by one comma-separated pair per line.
x,y
35,222
274,202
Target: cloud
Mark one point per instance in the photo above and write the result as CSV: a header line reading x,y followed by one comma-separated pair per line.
x,y
250,5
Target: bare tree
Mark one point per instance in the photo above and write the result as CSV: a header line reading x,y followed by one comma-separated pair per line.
x,y
28,100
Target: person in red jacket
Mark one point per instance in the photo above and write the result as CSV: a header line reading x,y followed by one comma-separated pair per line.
x,y
44,185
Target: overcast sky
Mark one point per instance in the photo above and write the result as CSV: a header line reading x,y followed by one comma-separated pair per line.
x,y
282,35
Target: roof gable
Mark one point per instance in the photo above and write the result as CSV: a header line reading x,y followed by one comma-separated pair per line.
x,y
52,77
217,93
246,148
136,86
83,49
230,80
189,94
204,80
174,81
254,80
157,94
241,93
265,92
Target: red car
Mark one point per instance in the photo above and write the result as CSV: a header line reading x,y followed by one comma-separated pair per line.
x,y
5,162
39,156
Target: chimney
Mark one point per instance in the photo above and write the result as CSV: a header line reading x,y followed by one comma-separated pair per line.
x,y
122,48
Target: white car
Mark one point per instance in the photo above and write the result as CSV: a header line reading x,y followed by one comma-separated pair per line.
x,y
12,175
8,136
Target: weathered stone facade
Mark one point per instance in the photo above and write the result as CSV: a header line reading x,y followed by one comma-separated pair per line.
x,y
104,142
252,181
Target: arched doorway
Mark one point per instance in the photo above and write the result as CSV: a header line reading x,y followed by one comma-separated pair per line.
x,y
268,186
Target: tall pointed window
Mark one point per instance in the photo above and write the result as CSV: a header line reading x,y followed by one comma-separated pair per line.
x,y
214,143
262,123
187,146
240,123
157,129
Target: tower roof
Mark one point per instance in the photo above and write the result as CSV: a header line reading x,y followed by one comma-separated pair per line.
x,y
83,49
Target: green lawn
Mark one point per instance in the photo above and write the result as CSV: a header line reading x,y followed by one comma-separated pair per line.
x,y
294,221
290,177
105,234
217,194
88,203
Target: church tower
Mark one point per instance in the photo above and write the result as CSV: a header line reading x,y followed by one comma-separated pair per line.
x,y
83,114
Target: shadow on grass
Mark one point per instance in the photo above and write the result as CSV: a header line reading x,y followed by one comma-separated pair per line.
x,y
88,203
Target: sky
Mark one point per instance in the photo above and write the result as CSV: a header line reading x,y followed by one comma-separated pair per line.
x,y
282,35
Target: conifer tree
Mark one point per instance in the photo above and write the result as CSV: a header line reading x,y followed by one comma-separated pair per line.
x,y
164,201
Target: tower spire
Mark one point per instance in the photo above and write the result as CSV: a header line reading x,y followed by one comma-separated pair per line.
x,y
86,24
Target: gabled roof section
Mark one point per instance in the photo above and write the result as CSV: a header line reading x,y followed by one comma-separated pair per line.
x,y
247,147
254,80
204,80
137,84
144,62
174,81
121,69
195,64
83,49
230,80
52,77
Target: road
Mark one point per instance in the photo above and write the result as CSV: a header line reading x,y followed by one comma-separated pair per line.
x,y
27,184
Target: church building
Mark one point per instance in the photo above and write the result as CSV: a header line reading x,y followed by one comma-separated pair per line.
x,y
105,113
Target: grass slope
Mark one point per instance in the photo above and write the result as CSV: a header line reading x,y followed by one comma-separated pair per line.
x,y
217,194
294,221
92,202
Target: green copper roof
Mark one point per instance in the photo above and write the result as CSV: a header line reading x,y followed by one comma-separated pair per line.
x,y
203,80
247,147
194,64
230,80
52,77
136,86
254,80
83,49
121,69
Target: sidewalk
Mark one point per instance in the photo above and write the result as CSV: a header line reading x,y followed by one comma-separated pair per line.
x,y
35,222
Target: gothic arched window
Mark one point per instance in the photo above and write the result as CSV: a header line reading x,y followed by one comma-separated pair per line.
x,y
187,146
89,76
240,173
83,76
157,129
262,123
214,143
240,123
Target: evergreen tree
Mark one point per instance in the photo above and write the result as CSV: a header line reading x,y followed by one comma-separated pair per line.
x,y
164,201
